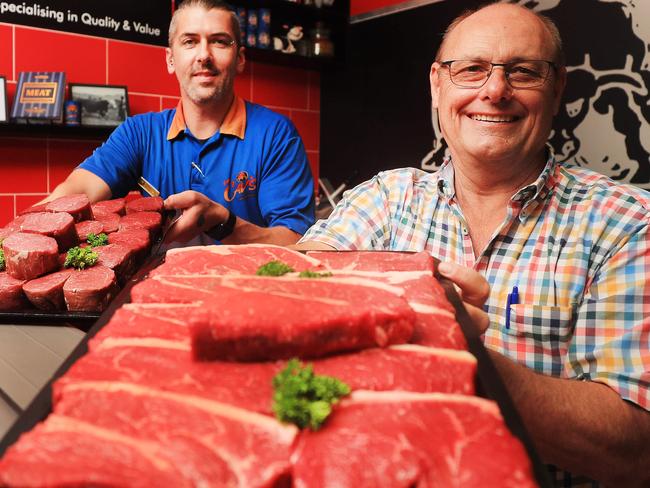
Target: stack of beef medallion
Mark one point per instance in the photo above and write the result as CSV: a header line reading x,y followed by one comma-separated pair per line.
x,y
35,245
176,390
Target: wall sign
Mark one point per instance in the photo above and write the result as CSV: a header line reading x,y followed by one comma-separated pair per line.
x,y
144,21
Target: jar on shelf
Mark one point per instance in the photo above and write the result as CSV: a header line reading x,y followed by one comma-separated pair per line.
x,y
320,40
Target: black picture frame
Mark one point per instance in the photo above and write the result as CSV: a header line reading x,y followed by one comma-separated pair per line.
x,y
101,105
4,110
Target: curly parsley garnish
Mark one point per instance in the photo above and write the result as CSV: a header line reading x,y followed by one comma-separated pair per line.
x,y
97,239
314,274
2,260
303,398
80,258
274,268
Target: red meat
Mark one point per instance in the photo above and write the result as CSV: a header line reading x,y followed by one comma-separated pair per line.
x,y
119,258
221,260
46,292
374,260
76,205
90,290
59,225
116,205
137,240
146,204
151,221
401,439
29,256
34,209
89,227
110,221
11,293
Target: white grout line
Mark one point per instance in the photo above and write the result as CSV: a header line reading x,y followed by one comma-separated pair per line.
x,y
47,163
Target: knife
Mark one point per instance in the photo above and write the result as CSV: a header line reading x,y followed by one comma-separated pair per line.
x,y
168,215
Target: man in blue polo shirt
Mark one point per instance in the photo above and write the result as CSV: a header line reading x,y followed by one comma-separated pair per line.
x,y
237,170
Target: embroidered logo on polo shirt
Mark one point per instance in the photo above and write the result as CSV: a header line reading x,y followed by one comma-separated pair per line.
x,y
243,185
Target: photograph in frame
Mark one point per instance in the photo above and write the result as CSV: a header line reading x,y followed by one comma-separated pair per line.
x,y
101,105
4,113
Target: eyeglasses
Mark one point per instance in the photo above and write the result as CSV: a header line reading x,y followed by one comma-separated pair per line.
x,y
519,74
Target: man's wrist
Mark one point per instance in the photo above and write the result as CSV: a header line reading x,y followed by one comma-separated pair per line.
x,y
222,230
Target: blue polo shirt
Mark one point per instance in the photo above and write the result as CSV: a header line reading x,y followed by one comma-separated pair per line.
x,y
255,165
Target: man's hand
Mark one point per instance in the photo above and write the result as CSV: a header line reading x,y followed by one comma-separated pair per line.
x,y
199,214
474,290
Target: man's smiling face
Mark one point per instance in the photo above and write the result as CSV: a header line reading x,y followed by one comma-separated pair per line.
x,y
496,122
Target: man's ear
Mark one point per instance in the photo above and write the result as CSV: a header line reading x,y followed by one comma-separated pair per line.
x,y
170,61
241,59
434,79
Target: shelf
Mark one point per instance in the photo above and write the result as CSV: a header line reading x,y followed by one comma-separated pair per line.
x,y
55,130
278,57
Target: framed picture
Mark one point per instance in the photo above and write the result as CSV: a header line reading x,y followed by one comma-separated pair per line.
x,y
106,105
4,118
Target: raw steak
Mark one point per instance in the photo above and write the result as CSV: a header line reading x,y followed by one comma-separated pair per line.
x,y
282,317
11,227
29,256
220,260
90,290
46,292
11,293
116,205
375,260
119,258
76,205
89,227
150,221
167,365
208,442
110,221
147,325
58,225
435,323
400,439
33,209
135,239
146,204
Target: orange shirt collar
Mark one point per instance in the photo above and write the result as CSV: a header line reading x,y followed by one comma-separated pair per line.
x,y
234,123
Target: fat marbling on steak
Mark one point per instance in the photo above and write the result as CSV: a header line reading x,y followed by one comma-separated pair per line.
x,y
405,439
255,318
58,225
28,256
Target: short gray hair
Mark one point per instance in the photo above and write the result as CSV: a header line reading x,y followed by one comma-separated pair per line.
x,y
207,5
556,39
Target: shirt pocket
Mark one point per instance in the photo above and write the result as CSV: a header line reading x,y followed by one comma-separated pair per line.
x,y
539,336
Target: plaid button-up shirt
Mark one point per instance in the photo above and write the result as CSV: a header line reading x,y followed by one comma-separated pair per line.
x,y
575,243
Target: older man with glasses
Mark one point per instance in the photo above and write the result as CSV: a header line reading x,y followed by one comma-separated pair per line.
x,y
565,251
237,170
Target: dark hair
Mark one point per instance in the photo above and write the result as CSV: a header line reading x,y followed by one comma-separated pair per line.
x,y
207,5
556,39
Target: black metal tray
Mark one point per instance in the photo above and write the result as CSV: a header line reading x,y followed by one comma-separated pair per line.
x,y
488,382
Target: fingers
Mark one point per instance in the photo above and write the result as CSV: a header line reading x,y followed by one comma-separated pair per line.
x,y
182,200
480,318
190,224
474,288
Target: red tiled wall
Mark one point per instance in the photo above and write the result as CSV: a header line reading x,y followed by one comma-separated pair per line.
x,y
30,167
362,6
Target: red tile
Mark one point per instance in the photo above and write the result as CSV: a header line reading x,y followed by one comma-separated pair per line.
x,y
6,52
140,104
308,125
169,102
23,165
82,58
280,86
314,163
314,90
11,92
283,111
244,83
6,209
142,68
66,156
26,201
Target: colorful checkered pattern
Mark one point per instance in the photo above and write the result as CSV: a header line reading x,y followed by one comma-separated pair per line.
x,y
576,245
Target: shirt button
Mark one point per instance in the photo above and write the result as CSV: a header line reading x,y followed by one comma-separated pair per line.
x,y
465,232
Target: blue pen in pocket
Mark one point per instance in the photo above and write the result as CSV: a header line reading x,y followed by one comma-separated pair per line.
x,y
513,299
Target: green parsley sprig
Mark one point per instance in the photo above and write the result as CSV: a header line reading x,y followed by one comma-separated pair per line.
x,y
97,239
274,268
303,398
2,260
314,274
80,257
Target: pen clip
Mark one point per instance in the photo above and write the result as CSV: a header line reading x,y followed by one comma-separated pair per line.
x,y
512,299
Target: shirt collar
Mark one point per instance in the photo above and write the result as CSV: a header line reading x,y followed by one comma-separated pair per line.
x,y
533,191
234,123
